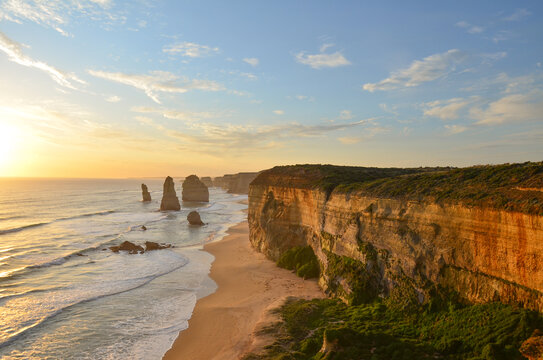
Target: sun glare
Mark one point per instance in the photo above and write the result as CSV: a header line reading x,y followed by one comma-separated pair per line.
x,y
9,138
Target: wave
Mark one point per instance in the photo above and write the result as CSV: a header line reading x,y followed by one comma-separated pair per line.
x,y
136,283
30,226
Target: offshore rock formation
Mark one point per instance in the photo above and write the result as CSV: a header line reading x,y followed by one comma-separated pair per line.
x,y
381,233
145,193
169,197
235,183
207,181
151,246
127,246
194,190
194,218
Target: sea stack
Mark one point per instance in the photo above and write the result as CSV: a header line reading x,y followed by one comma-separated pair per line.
x,y
195,190
169,197
207,181
194,218
145,193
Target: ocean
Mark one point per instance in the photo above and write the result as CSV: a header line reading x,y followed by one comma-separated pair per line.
x,y
65,295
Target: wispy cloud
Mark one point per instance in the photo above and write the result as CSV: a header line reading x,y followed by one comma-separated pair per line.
x,y
446,109
369,132
517,15
278,112
322,60
472,29
113,99
510,109
15,53
190,49
251,61
455,129
158,82
184,116
345,114
56,14
428,69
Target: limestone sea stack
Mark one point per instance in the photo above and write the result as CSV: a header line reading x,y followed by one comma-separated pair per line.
x,y
194,218
145,193
207,181
169,197
195,190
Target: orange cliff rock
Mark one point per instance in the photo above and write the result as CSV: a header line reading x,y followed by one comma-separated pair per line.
x,y
484,253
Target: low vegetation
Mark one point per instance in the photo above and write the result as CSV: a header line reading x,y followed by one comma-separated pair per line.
x,y
302,260
377,331
514,187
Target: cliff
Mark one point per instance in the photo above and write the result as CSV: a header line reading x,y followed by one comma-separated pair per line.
x,y
235,183
403,233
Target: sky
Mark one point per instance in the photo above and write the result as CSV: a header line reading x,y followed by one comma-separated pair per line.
x,y
110,88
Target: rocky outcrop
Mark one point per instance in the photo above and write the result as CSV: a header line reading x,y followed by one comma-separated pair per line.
x,y
127,246
145,193
396,245
235,183
151,246
532,348
207,181
194,218
195,190
169,197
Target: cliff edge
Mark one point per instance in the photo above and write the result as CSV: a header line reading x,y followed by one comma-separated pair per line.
x,y
407,233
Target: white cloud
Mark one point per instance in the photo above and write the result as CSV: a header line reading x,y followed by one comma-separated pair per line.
x,y
15,53
517,15
511,109
190,49
455,129
251,61
428,69
184,116
56,14
113,99
445,109
158,82
278,112
346,115
472,29
369,133
389,109
322,60
502,35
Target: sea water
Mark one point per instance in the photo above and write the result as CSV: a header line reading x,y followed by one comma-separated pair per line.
x,y
65,295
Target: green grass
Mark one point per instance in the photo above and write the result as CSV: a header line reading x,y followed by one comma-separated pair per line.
x,y
505,186
302,260
375,331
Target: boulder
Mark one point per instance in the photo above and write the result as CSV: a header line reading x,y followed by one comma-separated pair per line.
x,y
169,197
150,246
194,190
532,348
145,193
194,218
143,227
127,246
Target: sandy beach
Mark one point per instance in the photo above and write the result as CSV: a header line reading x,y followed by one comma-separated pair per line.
x,y
249,285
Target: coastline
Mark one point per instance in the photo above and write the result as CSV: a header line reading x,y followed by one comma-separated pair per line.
x,y
223,324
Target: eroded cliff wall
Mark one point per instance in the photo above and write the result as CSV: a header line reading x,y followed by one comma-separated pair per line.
x,y
372,246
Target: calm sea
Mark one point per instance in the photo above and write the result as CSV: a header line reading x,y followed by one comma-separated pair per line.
x,y
62,296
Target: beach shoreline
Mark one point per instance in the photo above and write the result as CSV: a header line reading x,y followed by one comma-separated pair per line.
x,y
223,324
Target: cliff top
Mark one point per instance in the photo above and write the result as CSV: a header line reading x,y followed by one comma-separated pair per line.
x,y
515,187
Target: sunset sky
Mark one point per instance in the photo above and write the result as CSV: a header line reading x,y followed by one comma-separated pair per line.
x,y
108,88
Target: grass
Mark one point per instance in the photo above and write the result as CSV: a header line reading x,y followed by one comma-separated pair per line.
x,y
514,187
375,331
302,260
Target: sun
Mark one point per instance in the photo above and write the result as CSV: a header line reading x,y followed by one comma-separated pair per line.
x,y
9,139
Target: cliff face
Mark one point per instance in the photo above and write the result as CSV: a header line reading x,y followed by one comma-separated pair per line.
x,y
235,183
378,246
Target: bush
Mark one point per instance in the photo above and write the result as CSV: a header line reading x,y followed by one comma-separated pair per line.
x,y
302,260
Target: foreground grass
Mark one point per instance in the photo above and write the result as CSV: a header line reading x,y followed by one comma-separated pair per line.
x,y
376,331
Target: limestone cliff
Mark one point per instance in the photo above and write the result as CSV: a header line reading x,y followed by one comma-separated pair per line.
x,y
194,190
235,183
400,232
169,197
